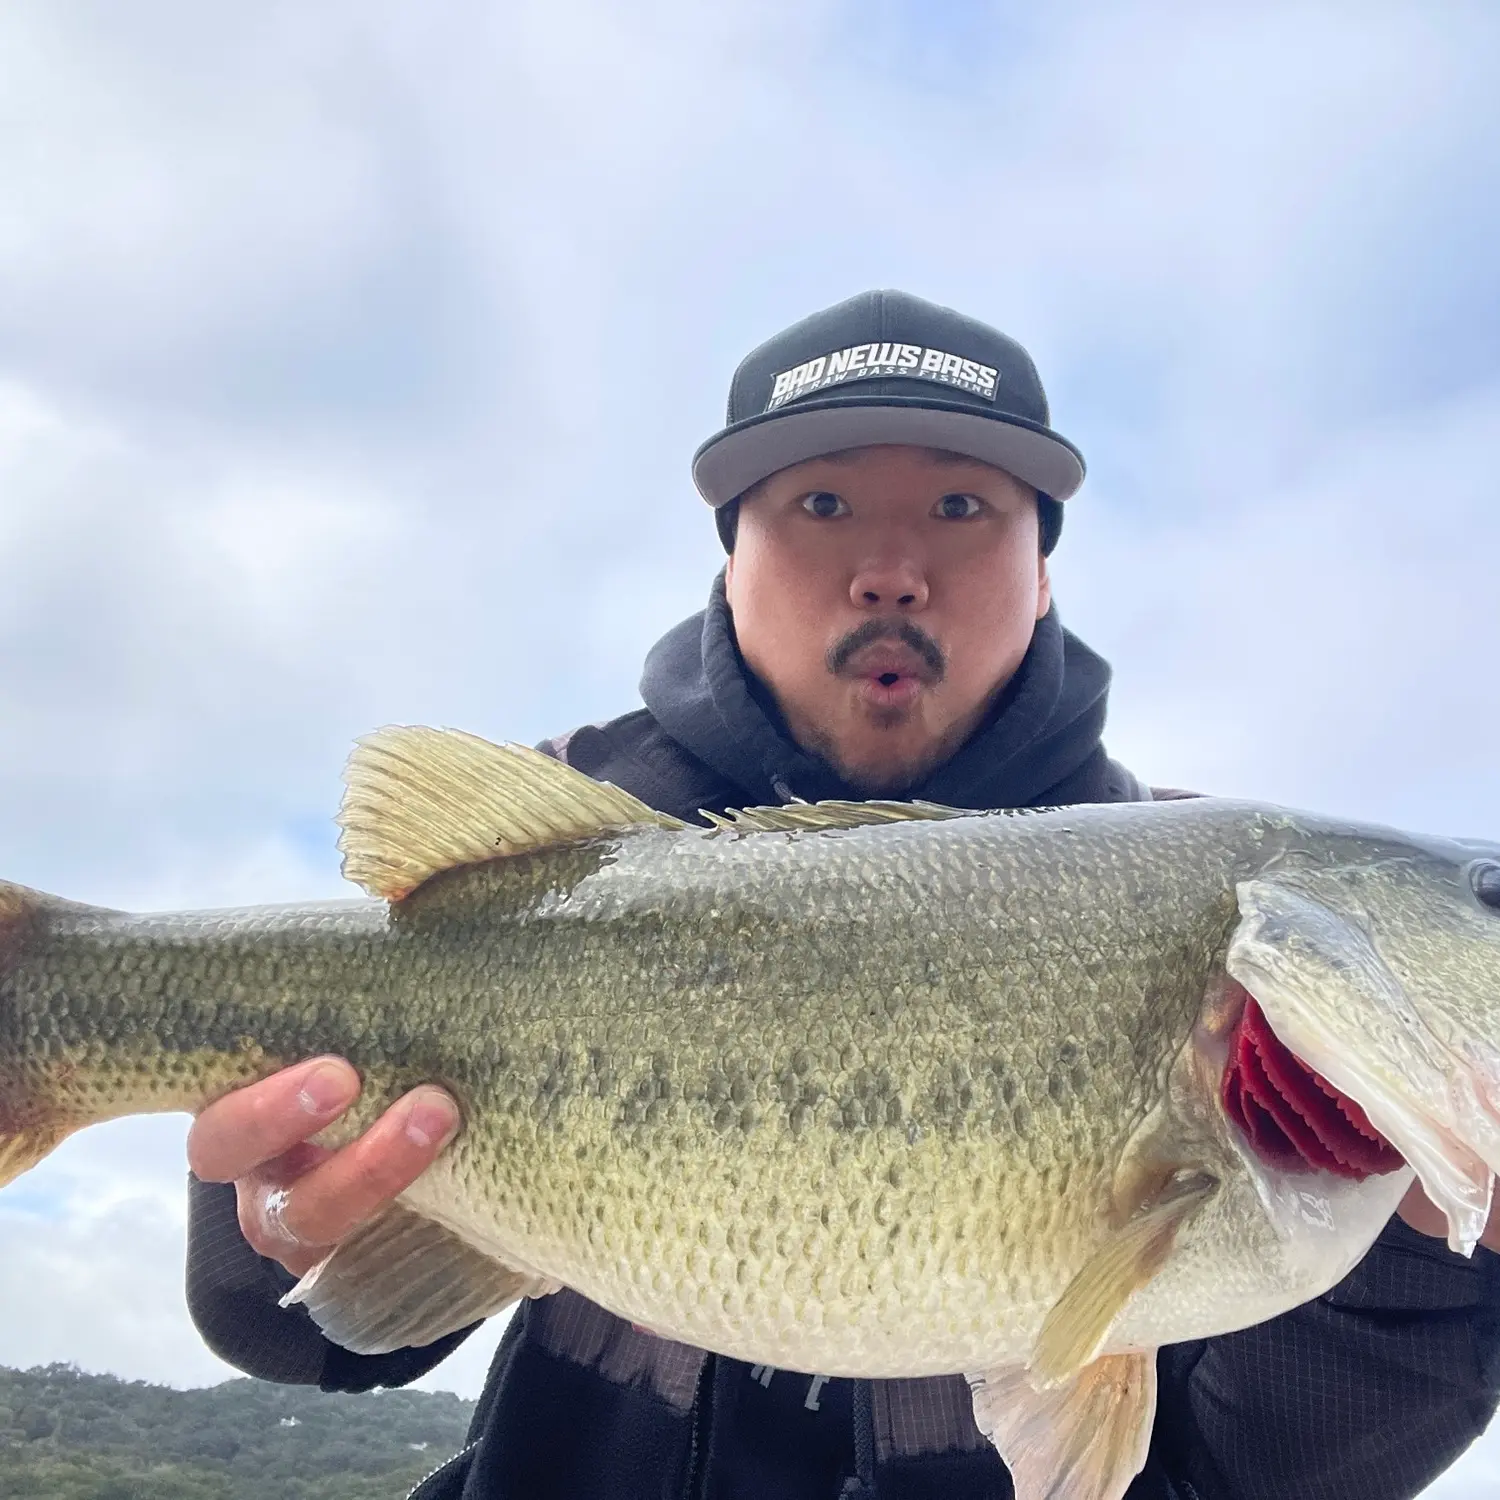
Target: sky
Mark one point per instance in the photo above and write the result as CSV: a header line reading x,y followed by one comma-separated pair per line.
x,y
352,358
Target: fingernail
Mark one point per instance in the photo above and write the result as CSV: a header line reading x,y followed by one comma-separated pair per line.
x,y
432,1120
325,1088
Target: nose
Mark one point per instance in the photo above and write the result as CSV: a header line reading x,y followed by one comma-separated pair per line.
x,y
895,582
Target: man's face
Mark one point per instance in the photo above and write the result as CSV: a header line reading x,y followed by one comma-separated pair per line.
x,y
885,596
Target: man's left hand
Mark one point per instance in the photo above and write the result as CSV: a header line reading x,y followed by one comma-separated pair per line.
x,y
1423,1215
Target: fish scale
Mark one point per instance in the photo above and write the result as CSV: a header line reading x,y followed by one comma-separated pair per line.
x,y
866,1090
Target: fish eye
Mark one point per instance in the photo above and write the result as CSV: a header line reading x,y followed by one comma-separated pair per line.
x,y
825,505
958,507
1484,881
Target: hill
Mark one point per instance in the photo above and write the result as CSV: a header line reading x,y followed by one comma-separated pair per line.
x,y
65,1435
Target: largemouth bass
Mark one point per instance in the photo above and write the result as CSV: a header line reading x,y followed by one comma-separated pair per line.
x,y
874,1089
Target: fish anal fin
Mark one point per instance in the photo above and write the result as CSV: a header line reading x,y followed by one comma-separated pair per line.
x,y
1078,1322
814,817
402,1281
1085,1439
419,801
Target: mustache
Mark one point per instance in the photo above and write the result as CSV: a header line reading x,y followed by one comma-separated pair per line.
x,y
843,651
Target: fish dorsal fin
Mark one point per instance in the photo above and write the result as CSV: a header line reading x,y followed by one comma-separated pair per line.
x,y
814,816
420,801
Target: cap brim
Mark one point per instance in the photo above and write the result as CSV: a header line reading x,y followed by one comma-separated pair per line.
x,y
742,455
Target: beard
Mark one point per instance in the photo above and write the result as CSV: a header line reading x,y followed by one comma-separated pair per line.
x,y
886,771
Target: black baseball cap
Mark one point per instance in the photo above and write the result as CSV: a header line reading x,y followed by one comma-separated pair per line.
x,y
887,367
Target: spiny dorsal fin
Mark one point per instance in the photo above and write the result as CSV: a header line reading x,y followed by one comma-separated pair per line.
x,y
812,816
420,801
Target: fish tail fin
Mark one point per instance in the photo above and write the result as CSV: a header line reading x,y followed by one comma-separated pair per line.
x,y
31,1124
16,901
21,1150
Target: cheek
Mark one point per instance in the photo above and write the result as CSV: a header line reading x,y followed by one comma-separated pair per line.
x,y
779,605
992,614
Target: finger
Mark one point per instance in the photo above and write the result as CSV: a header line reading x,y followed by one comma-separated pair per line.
x,y
1422,1214
284,1170
357,1181
256,1124
250,1199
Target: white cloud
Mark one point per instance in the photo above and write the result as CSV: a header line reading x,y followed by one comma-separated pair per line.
x,y
92,1248
91,1259
1326,644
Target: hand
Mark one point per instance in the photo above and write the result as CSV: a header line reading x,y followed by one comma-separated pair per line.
x,y
1423,1215
257,1138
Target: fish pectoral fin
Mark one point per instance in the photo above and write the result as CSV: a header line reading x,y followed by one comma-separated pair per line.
x,y
1085,1439
402,1281
812,817
1335,1003
419,801
1076,1326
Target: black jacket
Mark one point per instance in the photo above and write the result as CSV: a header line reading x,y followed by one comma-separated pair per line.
x,y
1366,1393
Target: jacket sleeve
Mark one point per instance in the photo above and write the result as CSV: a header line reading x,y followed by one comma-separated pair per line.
x,y
1367,1393
234,1297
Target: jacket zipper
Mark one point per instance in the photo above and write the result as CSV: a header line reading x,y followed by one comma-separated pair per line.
x,y
447,1463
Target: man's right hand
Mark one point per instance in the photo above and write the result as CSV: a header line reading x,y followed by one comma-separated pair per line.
x,y
297,1200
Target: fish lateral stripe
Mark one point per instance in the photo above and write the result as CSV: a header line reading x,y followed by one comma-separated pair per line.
x,y
1291,1115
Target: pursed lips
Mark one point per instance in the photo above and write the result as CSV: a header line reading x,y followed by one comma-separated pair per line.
x,y
889,677
887,663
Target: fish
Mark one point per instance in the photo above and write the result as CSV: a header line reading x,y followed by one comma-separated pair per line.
x,y
881,1090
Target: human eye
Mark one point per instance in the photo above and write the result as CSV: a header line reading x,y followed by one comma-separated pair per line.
x,y
825,505
958,507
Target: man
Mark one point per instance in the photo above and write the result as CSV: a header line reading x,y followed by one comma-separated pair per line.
x,y
888,490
